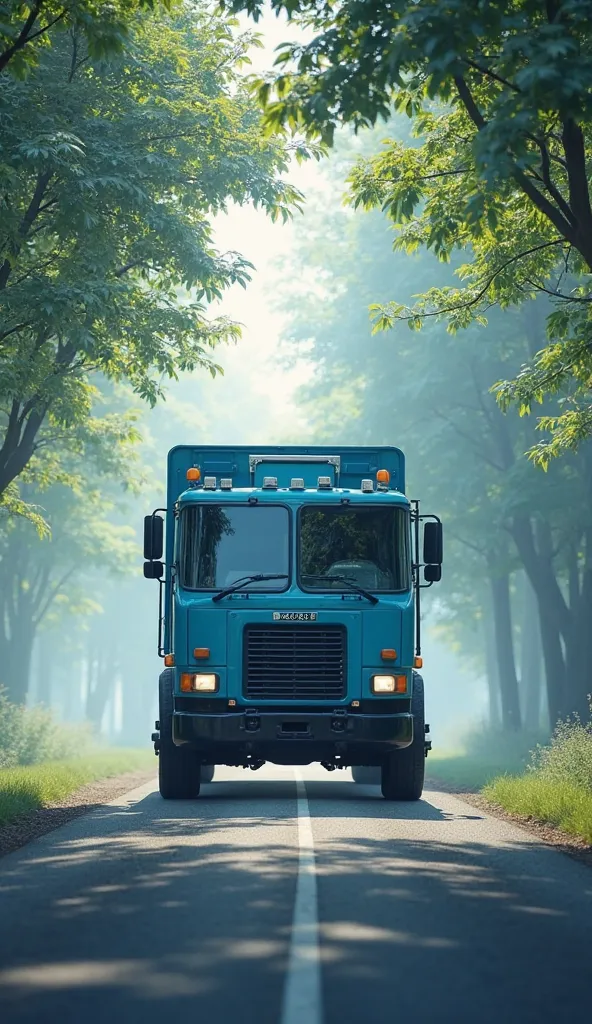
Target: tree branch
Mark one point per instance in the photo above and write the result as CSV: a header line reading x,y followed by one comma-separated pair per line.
x,y
23,37
31,213
488,73
545,177
469,103
575,155
477,298
557,294
470,438
53,594
551,212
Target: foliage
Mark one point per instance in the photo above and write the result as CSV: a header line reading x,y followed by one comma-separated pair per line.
x,y
568,756
561,803
109,171
27,28
32,736
430,395
77,482
25,789
501,98
557,787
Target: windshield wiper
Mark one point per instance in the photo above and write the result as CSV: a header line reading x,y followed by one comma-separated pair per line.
x,y
341,579
245,580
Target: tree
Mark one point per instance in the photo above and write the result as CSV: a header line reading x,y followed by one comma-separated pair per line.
x,y
38,575
111,170
501,95
502,517
27,28
77,488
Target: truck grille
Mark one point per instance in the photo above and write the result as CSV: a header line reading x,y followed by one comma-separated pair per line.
x,y
294,662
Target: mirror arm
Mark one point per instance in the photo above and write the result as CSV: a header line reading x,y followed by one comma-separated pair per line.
x,y
415,519
161,650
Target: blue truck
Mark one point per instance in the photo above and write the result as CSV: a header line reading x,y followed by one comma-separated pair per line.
x,y
289,613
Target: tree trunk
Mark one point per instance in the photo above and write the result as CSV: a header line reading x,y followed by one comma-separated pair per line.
x,y
530,658
554,615
45,668
101,680
17,669
504,644
492,673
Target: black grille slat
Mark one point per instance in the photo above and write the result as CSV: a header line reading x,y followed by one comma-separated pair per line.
x,y
294,662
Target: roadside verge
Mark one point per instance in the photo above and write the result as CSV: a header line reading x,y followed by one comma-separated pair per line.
x,y
555,810
38,798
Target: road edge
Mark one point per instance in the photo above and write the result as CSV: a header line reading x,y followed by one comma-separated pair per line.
x,y
548,834
30,826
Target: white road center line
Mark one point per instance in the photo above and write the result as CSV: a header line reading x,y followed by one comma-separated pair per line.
x,y
302,993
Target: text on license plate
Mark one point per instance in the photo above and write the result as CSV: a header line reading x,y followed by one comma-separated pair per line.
x,y
294,616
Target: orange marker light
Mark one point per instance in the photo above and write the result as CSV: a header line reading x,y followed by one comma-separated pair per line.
x,y
388,654
418,663
186,682
193,474
169,660
400,684
201,652
383,476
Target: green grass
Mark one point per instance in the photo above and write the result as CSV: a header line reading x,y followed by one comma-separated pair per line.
x,y
557,802
470,771
28,787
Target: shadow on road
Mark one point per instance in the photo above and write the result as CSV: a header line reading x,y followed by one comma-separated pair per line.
x,y
184,909
331,798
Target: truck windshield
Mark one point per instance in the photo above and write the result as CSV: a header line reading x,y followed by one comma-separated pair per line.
x,y
369,546
222,543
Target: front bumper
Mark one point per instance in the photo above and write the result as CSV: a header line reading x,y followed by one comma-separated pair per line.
x,y
288,737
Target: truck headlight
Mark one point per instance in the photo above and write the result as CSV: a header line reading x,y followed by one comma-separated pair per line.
x,y
200,682
388,684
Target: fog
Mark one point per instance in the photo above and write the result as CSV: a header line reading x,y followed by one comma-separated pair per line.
x,y
308,369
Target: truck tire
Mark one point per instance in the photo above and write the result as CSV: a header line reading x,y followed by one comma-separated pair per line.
x,y
178,768
403,771
207,772
366,775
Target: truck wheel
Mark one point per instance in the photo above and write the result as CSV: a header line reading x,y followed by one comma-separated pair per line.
x,y
365,775
178,769
403,771
207,772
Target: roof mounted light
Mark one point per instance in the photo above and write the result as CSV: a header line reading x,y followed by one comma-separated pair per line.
x,y
226,484
270,483
383,478
193,475
210,483
324,483
367,486
297,483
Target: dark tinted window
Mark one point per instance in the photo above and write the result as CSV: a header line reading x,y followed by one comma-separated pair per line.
x,y
368,545
221,543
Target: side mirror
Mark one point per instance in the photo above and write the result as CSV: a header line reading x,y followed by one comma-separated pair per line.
x,y
153,570
432,544
432,573
153,537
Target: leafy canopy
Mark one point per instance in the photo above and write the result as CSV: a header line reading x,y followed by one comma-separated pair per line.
x,y
110,172
501,98
27,28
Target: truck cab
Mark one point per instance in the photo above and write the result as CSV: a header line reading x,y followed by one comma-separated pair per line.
x,y
289,613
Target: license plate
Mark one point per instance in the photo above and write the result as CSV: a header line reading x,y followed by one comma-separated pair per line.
x,y
294,616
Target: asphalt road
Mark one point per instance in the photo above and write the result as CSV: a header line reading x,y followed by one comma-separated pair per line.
x,y
275,902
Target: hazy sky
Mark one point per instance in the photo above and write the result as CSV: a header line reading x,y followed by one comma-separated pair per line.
x,y
253,375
